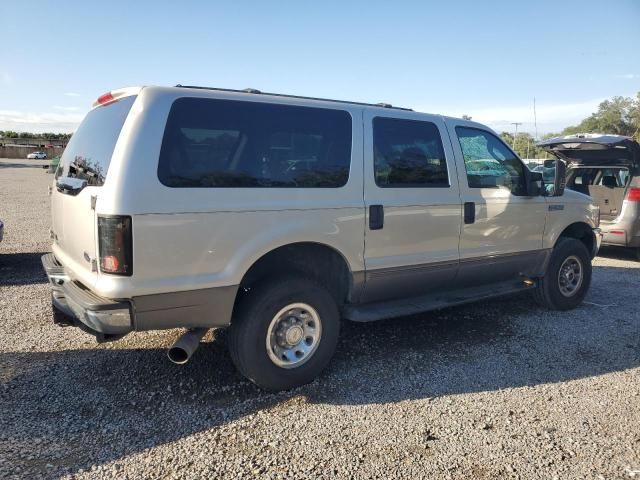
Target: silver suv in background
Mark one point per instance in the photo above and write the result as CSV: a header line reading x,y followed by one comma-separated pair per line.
x,y
277,216
607,168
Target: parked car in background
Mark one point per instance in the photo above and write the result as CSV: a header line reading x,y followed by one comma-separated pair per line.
x,y
39,155
202,208
607,168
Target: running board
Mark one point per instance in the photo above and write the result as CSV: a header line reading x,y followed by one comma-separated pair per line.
x,y
371,312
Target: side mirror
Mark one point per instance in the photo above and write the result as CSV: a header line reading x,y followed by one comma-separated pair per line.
x,y
554,177
535,184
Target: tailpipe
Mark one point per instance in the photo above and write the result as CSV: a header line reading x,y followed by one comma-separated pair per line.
x,y
186,344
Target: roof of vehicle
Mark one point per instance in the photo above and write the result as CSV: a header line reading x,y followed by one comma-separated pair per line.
x,y
258,92
114,95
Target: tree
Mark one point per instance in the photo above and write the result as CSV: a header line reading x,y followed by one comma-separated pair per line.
x,y
620,116
524,145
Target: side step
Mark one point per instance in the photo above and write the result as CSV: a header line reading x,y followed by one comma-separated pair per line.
x,y
371,312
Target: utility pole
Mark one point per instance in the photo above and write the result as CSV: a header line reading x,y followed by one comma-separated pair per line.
x,y
535,118
515,134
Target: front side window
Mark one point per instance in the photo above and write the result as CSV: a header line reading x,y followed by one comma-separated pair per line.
x,y
224,143
408,153
489,162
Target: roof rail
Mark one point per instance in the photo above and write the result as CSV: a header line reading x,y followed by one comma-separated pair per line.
x,y
253,91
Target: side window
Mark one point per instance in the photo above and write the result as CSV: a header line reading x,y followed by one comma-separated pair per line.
x,y
226,144
613,177
489,162
408,153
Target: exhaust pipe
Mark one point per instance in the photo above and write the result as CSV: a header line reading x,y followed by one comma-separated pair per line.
x,y
187,343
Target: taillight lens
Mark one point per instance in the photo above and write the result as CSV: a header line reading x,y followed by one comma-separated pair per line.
x,y
115,244
105,99
633,195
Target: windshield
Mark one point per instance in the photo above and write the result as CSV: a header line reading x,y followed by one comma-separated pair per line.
x,y
89,152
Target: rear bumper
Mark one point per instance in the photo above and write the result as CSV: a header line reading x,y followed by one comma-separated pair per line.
x,y
107,318
98,315
624,231
621,239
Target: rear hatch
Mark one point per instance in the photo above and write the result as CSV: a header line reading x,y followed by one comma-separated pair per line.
x,y
594,149
601,166
82,171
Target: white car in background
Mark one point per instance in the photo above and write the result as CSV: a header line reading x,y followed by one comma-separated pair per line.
x,y
37,156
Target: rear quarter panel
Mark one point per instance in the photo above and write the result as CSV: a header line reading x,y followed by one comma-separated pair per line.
x,y
194,238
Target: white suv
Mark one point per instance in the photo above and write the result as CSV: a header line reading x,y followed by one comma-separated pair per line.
x,y
276,216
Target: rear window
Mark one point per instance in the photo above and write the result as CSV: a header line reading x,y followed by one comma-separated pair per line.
x,y
580,179
89,151
224,143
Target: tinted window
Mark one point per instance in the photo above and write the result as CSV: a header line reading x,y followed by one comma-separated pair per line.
x,y
408,153
613,177
580,179
89,151
223,143
489,162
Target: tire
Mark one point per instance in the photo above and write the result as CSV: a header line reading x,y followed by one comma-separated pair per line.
x,y
276,312
549,293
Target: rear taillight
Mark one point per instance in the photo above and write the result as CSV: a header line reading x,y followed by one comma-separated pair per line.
x,y
115,245
633,195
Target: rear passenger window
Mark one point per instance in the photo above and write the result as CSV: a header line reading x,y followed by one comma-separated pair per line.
x,y
223,143
408,153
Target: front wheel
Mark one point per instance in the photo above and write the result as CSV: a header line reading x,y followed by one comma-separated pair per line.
x,y
284,333
568,276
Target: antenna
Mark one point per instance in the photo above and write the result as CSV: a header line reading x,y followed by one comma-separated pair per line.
x,y
535,118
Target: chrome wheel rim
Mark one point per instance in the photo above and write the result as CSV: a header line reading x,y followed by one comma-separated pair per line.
x,y
570,276
293,335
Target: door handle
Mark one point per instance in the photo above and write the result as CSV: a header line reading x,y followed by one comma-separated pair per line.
x,y
469,212
376,217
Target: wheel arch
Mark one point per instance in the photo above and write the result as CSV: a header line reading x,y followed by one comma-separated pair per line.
x,y
320,262
581,231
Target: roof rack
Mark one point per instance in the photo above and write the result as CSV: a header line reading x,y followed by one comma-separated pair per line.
x,y
253,91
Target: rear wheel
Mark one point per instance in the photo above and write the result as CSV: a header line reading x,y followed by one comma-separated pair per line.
x,y
567,278
284,333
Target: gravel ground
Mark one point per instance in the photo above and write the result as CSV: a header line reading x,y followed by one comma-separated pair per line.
x,y
494,390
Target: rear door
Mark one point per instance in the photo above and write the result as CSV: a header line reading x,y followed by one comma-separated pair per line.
x,y
80,175
413,205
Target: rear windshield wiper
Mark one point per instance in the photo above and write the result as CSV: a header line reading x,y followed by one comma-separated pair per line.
x,y
70,185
